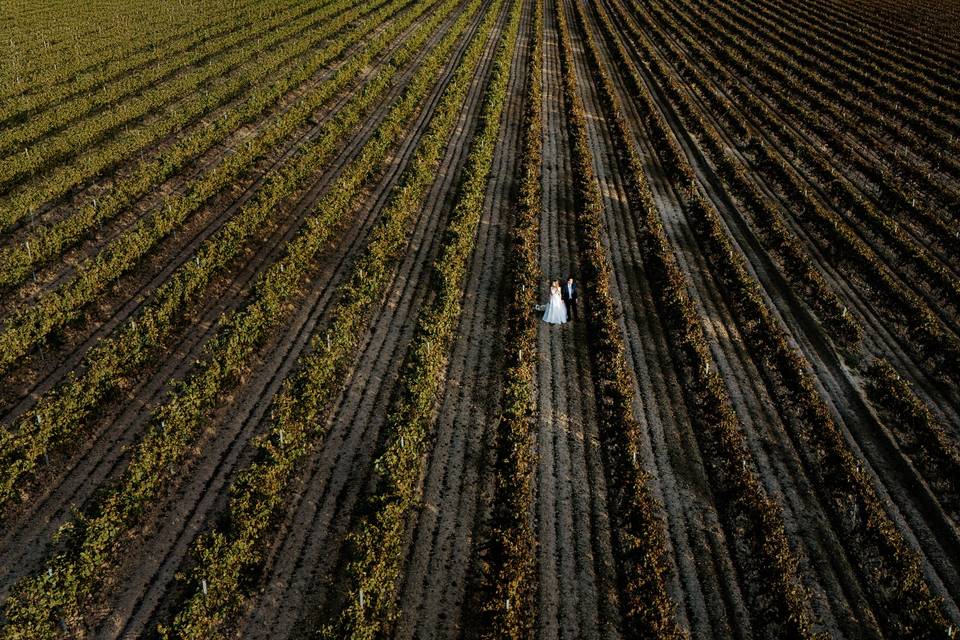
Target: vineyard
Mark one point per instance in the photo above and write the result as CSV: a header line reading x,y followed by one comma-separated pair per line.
x,y
271,356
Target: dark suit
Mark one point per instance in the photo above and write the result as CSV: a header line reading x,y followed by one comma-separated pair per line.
x,y
568,291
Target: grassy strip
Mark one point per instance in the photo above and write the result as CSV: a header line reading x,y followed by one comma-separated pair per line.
x,y
637,528
58,416
51,311
95,538
892,570
508,580
377,571
767,565
230,554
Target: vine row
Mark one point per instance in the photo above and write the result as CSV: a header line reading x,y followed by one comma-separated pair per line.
x,y
54,309
28,197
921,435
507,555
380,542
931,341
61,146
637,528
768,567
237,548
895,580
792,257
45,94
82,114
805,123
97,536
59,415
47,242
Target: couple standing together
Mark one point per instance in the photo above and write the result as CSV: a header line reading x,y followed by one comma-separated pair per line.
x,y
563,301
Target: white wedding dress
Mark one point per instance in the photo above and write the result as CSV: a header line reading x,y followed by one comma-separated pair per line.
x,y
556,312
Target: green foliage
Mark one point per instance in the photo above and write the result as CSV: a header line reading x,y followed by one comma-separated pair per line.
x,y
58,55
92,541
46,242
53,310
380,542
56,133
59,180
57,416
257,496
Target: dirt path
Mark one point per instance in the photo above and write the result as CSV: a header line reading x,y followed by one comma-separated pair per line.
x,y
435,586
577,597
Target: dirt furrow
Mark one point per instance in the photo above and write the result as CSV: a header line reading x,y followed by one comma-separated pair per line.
x,y
753,407
51,275
706,584
880,339
434,588
910,276
231,453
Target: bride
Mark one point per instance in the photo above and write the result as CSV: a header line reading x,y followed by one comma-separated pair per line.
x,y
556,312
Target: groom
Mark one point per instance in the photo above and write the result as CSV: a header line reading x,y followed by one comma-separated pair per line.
x,y
568,291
